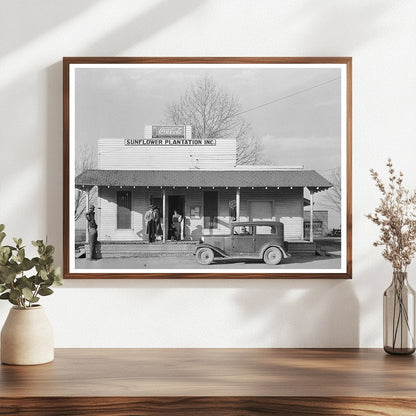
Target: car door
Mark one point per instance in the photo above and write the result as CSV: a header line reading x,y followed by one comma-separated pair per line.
x,y
243,243
265,235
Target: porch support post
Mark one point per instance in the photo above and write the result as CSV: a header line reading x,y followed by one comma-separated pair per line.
x,y
87,208
311,220
237,205
164,214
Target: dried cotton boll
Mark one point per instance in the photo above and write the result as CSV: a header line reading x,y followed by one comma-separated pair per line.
x,y
396,217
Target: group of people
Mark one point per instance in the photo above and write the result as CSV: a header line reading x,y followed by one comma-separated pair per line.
x,y
153,227
154,224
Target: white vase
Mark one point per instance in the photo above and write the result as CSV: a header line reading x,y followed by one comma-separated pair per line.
x,y
27,337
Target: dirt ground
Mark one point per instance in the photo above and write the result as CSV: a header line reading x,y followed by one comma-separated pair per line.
x,y
329,247
329,244
332,261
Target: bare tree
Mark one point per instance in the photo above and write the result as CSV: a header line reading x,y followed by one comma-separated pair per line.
x,y
331,198
214,113
85,159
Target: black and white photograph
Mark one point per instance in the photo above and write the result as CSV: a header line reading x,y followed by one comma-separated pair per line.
x,y
211,168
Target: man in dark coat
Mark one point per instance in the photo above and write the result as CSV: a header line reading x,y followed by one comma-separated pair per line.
x,y
176,223
92,233
149,217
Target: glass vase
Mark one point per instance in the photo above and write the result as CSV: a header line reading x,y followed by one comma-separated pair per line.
x,y
399,316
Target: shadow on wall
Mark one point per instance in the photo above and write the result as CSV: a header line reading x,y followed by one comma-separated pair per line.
x,y
37,17
54,146
140,27
336,18
259,313
4,311
300,313
305,312
157,18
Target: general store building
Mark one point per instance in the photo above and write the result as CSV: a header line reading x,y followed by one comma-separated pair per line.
x,y
199,178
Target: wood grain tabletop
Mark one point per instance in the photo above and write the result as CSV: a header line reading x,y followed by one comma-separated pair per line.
x,y
182,380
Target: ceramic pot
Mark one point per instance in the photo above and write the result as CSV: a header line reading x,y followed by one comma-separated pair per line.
x,y
27,337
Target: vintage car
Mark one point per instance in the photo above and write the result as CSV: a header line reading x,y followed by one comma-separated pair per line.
x,y
250,240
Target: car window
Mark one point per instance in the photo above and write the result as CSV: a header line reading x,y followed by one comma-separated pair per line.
x,y
243,230
265,229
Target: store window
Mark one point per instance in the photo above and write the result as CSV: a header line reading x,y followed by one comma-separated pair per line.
x,y
244,230
123,210
210,209
265,230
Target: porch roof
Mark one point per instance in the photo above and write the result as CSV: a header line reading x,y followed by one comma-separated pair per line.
x,y
203,178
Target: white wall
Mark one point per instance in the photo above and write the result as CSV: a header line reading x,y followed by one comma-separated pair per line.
x,y
380,35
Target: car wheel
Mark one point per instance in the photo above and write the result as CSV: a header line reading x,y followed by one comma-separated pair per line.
x,y
272,256
205,256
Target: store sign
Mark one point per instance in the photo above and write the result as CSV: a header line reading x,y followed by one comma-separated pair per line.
x,y
161,132
170,142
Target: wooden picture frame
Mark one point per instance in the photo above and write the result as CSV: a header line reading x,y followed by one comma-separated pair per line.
x,y
133,144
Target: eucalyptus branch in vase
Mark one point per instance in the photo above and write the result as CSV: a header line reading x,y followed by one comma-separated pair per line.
x,y
24,280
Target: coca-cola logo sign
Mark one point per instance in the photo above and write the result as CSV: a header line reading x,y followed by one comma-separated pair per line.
x,y
168,131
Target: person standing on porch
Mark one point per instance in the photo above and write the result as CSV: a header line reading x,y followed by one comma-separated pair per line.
x,y
149,217
158,224
176,222
92,232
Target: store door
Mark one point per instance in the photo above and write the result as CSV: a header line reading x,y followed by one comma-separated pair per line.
x,y
175,203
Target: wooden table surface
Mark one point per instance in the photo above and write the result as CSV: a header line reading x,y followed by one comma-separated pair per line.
x,y
212,381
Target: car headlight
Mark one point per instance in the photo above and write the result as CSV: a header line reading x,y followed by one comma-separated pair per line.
x,y
201,240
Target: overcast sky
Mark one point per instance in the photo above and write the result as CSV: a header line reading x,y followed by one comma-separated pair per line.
x,y
304,129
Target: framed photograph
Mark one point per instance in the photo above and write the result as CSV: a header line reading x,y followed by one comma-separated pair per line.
x,y
207,168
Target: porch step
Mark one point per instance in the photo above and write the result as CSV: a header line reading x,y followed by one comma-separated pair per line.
x,y
143,249
107,249
301,248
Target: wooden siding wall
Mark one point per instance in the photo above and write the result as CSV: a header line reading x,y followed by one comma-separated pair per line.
x,y
113,154
287,208
107,228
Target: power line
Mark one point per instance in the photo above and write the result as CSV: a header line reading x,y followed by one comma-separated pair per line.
x,y
288,96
